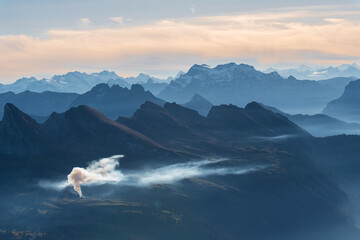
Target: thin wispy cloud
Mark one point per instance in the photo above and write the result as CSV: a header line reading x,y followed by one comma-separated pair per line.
x,y
105,171
84,22
192,9
119,20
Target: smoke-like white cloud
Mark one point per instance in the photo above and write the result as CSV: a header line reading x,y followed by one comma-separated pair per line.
x,y
102,171
119,20
105,171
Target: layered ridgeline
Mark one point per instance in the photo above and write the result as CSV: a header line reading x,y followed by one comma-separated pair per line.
x,y
240,84
286,192
347,106
112,101
77,82
320,125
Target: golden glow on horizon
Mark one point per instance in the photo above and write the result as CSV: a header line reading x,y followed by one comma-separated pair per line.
x,y
267,37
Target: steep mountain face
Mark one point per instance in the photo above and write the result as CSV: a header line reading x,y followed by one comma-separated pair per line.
x,y
38,104
19,133
199,104
346,107
338,83
116,101
240,84
71,82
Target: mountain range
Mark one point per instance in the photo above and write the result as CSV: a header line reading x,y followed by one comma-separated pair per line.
x,y
226,166
240,84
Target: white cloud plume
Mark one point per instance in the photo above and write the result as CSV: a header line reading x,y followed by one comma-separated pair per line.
x,y
105,171
102,171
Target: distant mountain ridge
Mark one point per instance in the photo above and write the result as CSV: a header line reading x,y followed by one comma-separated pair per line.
x,y
311,73
240,84
77,82
320,125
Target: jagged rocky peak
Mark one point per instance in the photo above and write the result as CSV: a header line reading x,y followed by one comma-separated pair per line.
x,y
13,115
197,98
101,87
148,108
181,112
352,90
254,106
137,88
217,112
292,78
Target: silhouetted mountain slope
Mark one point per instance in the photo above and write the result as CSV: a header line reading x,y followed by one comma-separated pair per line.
x,y
80,133
38,104
240,84
340,155
199,104
346,107
116,101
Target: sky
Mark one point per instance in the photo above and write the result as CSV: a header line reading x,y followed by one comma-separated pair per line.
x,y
45,37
